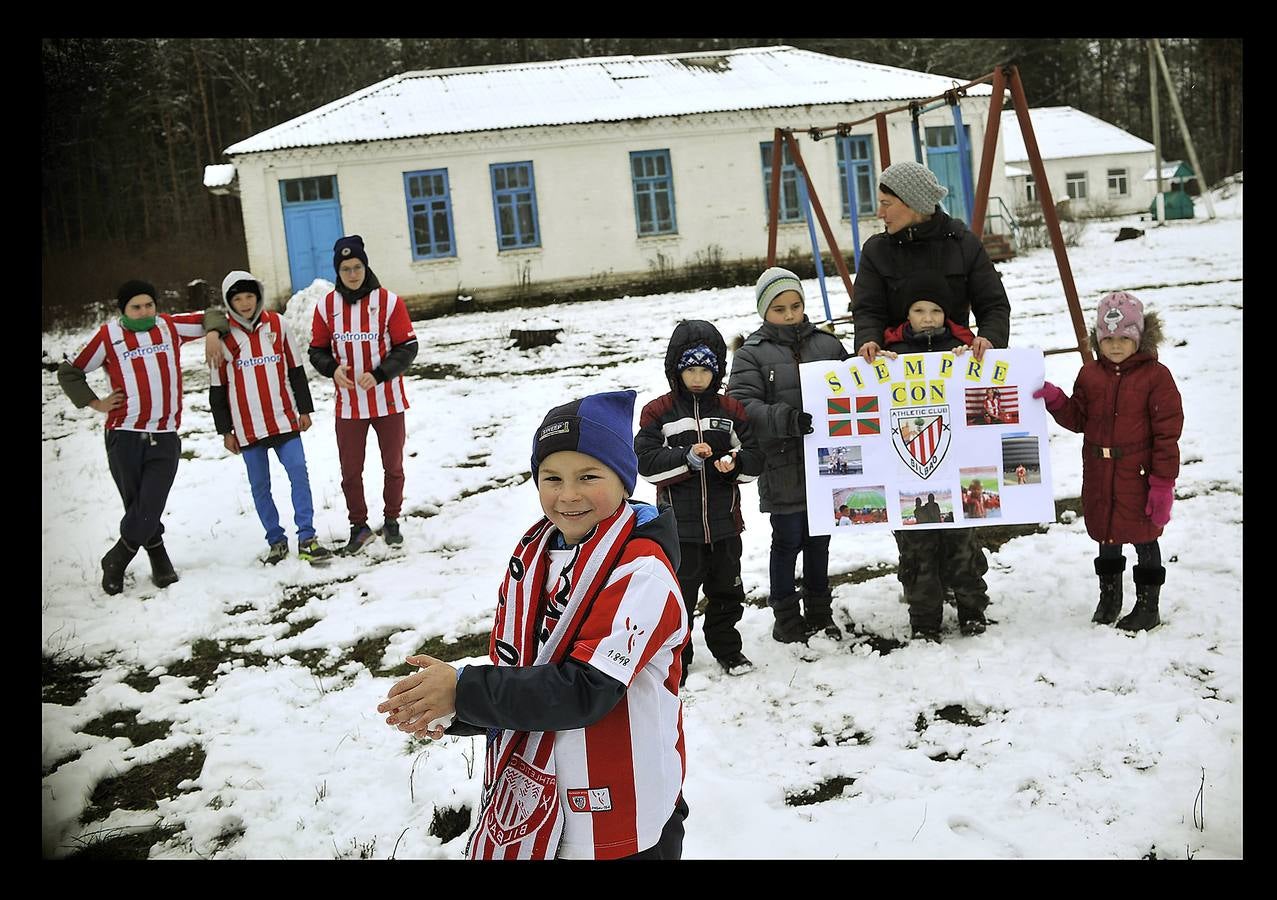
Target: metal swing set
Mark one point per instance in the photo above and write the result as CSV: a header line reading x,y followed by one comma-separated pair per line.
x,y
1002,79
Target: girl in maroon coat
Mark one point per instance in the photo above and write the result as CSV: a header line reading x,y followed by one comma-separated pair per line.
x,y
1128,409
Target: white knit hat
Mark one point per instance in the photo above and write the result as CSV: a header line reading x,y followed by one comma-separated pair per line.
x,y
915,184
774,282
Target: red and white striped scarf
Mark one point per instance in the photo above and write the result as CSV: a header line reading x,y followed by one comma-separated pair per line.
x,y
520,816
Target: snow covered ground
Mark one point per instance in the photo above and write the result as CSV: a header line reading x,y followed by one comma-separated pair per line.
x,y
1045,737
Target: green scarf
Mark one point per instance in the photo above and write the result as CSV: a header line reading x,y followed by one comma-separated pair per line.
x,y
138,324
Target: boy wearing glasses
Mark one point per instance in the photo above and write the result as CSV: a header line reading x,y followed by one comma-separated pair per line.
x,y
362,338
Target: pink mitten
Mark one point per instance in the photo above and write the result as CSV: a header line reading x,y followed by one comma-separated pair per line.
x,y
1051,395
1161,494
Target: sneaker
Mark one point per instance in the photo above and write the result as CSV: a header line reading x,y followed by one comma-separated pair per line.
x,y
736,664
390,533
360,536
277,553
312,551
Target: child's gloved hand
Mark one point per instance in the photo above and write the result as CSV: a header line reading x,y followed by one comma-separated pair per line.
x,y
803,423
1051,395
1161,494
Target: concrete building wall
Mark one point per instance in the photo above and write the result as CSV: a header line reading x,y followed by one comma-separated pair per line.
x,y
1099,198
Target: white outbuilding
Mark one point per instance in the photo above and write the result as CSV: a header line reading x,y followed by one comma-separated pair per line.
x,y
1096,166
584,176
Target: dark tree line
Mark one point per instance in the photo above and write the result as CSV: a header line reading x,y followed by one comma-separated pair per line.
x,y
129,124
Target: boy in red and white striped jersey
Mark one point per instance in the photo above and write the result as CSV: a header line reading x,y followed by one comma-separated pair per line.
x,y
142,355
585,752
362,339
261,402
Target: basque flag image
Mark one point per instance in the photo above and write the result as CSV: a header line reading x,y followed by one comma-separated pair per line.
x,y
835,409
869,425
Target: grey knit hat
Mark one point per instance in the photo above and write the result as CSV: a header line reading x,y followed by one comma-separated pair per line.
x,y
915,184
772,283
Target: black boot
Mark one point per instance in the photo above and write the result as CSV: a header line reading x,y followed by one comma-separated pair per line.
x,y
1148,589
790,627
818,613
971,621
117,559
162,573
1110,571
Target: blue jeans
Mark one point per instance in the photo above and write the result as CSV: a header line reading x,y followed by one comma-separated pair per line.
x,y
789,538
290,453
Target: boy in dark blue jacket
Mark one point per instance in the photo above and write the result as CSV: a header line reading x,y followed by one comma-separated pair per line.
x,y
696,447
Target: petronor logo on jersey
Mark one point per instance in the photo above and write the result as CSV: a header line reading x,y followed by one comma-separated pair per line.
x,y
250,361
348,336
145,351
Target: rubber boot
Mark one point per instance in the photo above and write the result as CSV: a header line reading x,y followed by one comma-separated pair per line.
x,y
818,613
1110,572
162,574
790,628
1148,589
117,559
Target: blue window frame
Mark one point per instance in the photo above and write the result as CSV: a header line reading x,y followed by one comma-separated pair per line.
x,y
653,192
514,205
308,190
429,213
790,208
857,152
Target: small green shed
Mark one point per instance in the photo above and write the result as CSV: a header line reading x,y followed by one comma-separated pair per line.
x,y
1177,202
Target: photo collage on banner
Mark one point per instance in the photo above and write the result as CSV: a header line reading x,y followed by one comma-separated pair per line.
x,y
926,440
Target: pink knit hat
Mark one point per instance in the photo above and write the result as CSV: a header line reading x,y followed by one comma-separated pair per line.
x,y
1120,315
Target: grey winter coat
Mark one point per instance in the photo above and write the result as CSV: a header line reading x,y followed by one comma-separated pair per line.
x,y
764,378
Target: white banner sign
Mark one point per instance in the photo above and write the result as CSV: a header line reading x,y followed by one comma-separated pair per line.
x,y
926,440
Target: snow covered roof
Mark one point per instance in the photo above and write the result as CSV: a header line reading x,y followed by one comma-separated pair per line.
x,y
600,89
1064,132
219,179
1175,168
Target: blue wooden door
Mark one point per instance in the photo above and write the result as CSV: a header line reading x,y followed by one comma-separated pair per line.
x,y
312,224
943,159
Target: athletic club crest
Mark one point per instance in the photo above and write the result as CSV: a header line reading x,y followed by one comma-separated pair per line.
x,y
521,803
921,435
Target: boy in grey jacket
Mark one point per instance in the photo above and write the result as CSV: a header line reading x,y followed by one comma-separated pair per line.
x,y
764,377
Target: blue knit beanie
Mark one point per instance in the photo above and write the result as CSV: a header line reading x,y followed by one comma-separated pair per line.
x,y
600,425
700,355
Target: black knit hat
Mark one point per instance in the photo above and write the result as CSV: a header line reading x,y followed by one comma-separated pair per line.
x,y
244,286
352,245
131,289
924,285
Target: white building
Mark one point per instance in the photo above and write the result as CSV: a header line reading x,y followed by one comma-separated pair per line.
x,y
575,176
1095,165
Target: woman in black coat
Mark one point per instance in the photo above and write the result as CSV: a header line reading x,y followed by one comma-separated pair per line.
x,y
922,237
